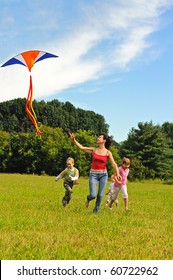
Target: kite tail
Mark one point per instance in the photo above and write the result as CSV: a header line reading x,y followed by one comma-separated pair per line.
x,y
29,108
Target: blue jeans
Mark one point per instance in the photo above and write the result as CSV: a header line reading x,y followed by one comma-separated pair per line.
x,y
95,178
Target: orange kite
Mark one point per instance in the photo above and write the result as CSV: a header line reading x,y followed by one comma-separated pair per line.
x,y
28,59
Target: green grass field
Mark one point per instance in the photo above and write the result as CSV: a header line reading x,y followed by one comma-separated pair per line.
x,y
34,224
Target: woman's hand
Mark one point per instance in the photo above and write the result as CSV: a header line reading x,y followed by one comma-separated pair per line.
x,y
72,136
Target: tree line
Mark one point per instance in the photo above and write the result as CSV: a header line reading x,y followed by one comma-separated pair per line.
x,y
149,146
52,113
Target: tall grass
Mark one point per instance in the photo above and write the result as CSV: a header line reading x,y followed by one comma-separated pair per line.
x,y
35,225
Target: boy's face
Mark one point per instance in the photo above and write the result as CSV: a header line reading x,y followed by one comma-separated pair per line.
x,y
70,164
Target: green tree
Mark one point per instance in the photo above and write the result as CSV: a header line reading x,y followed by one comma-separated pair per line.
x,y
50,150
168,130
53,114
1,122
5,150
23,156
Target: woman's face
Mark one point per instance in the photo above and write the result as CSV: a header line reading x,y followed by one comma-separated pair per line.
x,y
100,139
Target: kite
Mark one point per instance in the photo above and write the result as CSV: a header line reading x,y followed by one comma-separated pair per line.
x,y
28,59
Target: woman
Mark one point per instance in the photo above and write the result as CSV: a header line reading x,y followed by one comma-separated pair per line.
x,y
98,172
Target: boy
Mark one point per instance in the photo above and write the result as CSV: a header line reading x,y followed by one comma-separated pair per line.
x,y
70,175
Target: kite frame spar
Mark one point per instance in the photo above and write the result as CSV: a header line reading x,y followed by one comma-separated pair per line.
x,y
28,59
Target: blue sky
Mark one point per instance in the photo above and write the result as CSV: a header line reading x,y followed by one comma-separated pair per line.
x,y
115,56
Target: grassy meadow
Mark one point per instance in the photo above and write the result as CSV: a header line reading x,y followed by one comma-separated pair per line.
x,y
34,224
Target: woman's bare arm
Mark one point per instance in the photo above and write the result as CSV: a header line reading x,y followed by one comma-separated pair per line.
x,y
81,147
115,166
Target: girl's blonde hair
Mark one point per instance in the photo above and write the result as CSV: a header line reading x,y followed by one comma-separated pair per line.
x,y
126,161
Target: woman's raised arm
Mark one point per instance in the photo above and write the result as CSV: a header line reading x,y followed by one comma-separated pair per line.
x,y
81,147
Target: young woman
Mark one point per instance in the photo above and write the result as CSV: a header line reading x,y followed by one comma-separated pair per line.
x,y
98,172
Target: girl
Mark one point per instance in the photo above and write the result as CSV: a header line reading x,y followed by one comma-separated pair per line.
x,y
121,185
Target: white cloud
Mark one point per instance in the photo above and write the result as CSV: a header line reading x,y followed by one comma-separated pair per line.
x,y
114,34
132,47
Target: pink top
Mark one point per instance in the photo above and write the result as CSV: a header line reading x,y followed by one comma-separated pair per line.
x,y
99,161
124,174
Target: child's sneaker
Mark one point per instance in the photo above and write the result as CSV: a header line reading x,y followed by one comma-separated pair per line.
x,y
64,202
116,202
107,203
110,205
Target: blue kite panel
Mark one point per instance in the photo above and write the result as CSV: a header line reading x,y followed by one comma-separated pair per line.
x,y
46,55
13,61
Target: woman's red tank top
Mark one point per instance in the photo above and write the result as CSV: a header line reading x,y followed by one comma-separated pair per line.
x,y
99,161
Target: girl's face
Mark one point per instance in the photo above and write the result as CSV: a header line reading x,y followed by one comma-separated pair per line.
x,y
70,164
125,166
